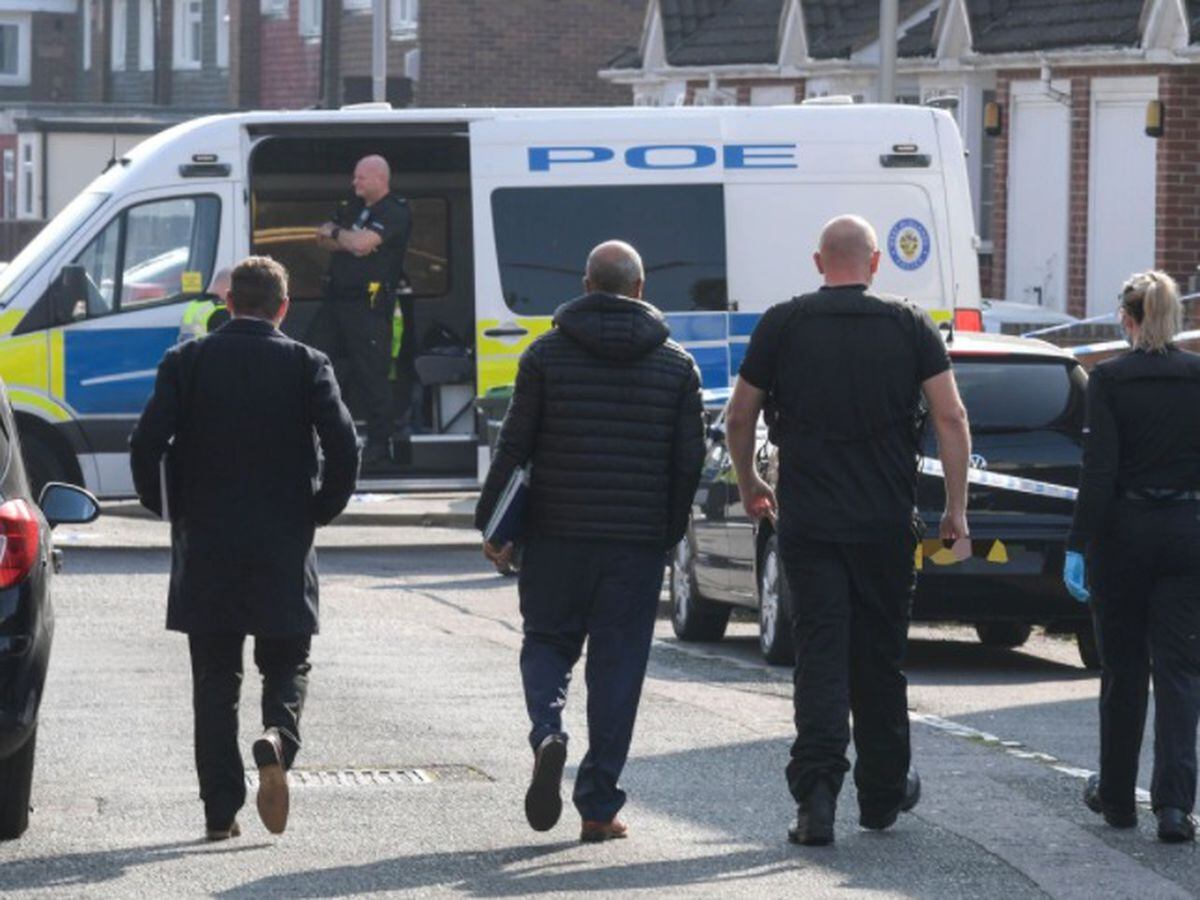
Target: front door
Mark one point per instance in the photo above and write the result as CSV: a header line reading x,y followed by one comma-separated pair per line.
x,y
1122,175
1038,194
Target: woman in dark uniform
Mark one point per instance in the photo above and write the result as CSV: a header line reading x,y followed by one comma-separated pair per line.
x,y
1137,525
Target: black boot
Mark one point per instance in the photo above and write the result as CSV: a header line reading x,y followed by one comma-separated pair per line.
x,y
878,820
814,817
1175,826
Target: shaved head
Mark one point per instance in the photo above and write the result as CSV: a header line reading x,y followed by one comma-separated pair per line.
x,y
848,252
614,267
372,178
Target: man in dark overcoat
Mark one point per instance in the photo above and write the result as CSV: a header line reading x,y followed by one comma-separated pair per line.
x,y
233,428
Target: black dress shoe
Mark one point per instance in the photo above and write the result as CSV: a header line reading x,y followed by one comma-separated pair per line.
x,y
543,802
1115,818
814,817
878,821
1175,826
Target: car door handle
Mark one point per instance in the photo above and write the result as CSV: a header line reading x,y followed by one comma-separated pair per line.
x,y
506,331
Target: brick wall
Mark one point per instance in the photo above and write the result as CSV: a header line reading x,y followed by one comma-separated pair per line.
x,y
1178,194
1178,188
290,74
524,52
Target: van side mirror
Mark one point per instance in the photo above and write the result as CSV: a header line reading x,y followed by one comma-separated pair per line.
x,y
66,504
69,291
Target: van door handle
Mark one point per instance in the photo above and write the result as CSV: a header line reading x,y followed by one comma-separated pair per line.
x,y
506,331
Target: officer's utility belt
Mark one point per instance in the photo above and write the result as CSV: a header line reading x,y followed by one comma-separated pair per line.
x,y
375,292
1159,495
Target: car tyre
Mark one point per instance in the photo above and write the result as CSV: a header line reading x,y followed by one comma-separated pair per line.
x,y
1003,634
774,608
1089,649
16,779
694,617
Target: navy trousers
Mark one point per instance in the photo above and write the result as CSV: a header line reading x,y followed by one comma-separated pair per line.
x,y
1144,573
607,594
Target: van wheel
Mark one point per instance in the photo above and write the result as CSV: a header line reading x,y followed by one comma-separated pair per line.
x,y
1089,649
43,463
1003,634
16,778
774,608
694,618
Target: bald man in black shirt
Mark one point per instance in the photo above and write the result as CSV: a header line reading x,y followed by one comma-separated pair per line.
x,y
845,371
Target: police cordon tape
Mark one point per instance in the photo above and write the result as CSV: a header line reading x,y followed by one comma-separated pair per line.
x,y
1014,483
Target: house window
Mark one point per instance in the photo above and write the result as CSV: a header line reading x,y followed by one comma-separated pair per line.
x,y
275,9
357,5
10,184
120,23
189,31
146,32
27,177
14,49
309,22
222,34
404,15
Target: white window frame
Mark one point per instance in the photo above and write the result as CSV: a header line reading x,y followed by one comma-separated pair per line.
x,y
85,14
404,18
119,39
308,18
358,6
22,22
273,9
146,35
223,25
182,29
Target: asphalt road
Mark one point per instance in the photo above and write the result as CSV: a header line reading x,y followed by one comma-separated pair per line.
x,y
415,761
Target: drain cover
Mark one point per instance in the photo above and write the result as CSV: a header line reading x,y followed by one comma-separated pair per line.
x,y
376,777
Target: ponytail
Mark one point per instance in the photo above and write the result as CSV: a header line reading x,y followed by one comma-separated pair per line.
x,y
1152,300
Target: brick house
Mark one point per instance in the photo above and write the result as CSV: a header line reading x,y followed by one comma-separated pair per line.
x,y
1071,195
523,52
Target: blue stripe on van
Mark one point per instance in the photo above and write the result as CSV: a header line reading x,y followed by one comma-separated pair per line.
x,y
714,365
700,326
737,352
112,370
741,324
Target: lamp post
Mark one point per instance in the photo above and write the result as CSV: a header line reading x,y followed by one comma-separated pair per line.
x,y
889,30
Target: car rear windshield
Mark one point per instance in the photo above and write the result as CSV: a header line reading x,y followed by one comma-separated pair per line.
x,y
1014,394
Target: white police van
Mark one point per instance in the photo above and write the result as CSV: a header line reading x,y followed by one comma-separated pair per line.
x,y
725,205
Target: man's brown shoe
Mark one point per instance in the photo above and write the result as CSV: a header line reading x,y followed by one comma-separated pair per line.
x,y
223,834
596,832
272,781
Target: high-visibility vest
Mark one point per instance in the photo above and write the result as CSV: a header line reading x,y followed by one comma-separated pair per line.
x,y
196,317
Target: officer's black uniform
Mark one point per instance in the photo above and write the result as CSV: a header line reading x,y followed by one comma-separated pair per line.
x,y
843,371
354,325
1137,520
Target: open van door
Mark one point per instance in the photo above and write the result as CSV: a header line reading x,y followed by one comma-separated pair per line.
x,y
547,190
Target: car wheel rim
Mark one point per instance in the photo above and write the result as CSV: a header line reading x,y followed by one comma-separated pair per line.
x,y
769,603
681,583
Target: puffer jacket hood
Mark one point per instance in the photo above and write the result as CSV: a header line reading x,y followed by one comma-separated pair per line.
x,y
612,327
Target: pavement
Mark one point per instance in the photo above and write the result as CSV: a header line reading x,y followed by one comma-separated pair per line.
x,y
370,520
415,761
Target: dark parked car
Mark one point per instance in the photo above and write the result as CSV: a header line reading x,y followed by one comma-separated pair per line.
x,y
28,562
1025,402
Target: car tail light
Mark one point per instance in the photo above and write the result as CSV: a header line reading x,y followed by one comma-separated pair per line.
x,y
19,544
968,319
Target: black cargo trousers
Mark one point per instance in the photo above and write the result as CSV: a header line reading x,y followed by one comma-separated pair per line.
x,y
851,608
1144,575
354,329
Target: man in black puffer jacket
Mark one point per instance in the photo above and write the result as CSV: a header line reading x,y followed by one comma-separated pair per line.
x,y
608,410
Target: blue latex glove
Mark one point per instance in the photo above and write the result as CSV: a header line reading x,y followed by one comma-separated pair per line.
x,y
1074,577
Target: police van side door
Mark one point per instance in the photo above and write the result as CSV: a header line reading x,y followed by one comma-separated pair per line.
x,y
154,254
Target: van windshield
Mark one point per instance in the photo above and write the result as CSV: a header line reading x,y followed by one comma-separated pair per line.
x,y
49,239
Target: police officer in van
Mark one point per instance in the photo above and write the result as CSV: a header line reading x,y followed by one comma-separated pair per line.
x,y
367,243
